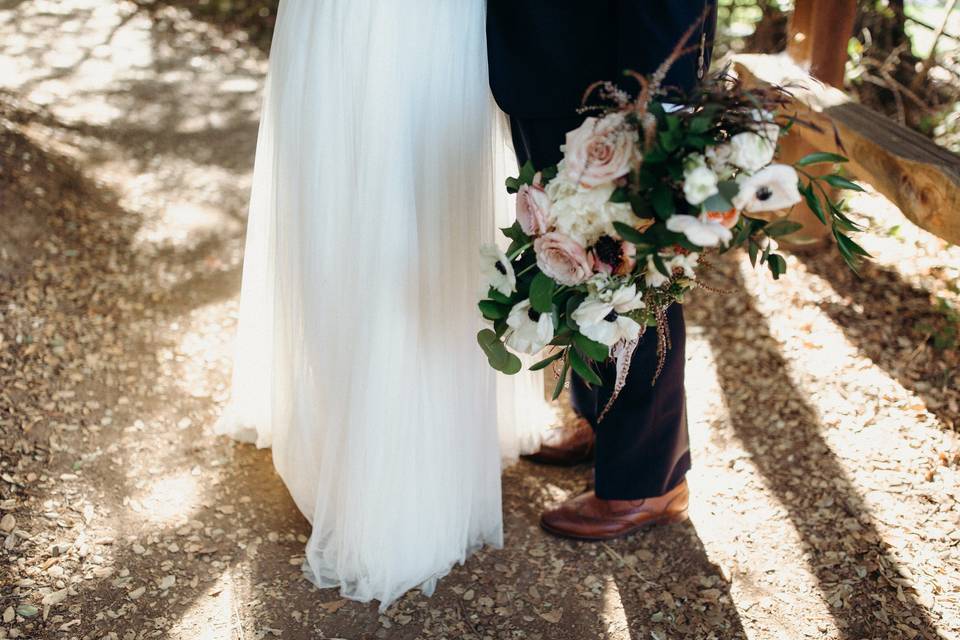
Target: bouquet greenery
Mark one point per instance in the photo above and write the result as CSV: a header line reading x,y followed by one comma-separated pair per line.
x,y
622,227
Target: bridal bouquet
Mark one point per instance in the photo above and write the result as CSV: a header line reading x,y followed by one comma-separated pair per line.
x,y
623,226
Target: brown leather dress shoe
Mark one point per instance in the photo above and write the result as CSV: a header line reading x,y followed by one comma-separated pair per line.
x,y
587,517
565,446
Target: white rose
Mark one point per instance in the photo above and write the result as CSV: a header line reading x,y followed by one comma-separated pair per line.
x,y
751,151
587,214
718,158
699,183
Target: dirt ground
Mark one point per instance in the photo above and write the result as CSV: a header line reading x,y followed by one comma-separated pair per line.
x,y
823,408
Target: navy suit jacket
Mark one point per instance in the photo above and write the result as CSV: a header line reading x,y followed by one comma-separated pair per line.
x,y
545,53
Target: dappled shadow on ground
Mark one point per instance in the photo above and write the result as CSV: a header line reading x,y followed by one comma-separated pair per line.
x,y
113,368
255,18
872,318
855,571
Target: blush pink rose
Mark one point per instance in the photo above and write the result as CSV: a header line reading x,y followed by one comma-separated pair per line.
x,y
600,151
533,209
561,258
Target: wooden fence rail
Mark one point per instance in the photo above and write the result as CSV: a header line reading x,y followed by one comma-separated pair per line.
x,y
920,177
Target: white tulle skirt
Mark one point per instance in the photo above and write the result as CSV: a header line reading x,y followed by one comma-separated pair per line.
x,y
376,173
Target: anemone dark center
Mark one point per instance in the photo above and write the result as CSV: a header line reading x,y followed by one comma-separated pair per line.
x,y
764,193
609,251
612,316
534,315
502,269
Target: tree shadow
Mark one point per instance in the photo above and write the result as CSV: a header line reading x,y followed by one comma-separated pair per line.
x,y
806,477
255,18
877,302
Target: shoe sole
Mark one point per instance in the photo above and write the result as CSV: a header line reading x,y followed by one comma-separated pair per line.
x,y
665,520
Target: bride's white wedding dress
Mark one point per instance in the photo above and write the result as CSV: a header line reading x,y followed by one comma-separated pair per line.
x,y
375,183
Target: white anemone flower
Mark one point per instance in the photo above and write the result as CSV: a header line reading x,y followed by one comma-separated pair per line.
x,y
530,331
703,233
599,316
770,189
497,270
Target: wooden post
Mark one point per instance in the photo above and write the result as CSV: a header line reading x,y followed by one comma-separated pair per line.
x,y
817,39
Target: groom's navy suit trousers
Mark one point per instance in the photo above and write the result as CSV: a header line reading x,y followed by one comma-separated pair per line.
x,y
543,55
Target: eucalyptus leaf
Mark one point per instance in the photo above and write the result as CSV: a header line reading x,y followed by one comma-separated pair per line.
x,y
728,189
717,202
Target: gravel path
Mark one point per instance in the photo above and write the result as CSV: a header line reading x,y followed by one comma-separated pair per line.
x,y
823,408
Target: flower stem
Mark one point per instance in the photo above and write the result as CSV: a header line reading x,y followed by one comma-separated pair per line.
x,y
520,250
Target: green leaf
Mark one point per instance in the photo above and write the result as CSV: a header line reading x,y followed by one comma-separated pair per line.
x,y
562,378
593,350
497,355
27,610
512,366
777,265
661,266
848,244
549,173
701,123
620,195
629,234
842,183
541,293
493,310
513,185
717,202
663,203
572,303
527,173
671,138
515,233
782,227
546,362
728,189
582,369
754,251
641,206
819,157
813,202
496,296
